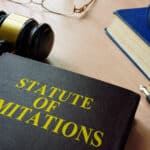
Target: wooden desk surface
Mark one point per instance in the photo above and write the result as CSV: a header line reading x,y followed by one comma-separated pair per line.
x,y
82,46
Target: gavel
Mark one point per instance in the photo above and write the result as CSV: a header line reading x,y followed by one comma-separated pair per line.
x,y
25,36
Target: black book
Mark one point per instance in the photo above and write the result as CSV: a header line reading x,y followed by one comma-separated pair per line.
x,y
47,108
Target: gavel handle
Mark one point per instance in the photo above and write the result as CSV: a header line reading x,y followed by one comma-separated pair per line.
x,y
5,47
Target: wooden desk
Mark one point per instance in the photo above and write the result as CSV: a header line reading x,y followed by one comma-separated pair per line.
x,y
82,46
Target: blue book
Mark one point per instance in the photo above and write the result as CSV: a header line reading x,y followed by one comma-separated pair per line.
x,y
130,30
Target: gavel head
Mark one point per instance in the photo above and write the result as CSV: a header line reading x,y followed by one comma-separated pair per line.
x,y
26,36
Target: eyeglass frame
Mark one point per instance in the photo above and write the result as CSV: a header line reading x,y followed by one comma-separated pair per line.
x,y
75,10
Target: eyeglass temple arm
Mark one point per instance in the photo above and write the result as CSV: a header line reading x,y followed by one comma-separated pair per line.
x,y
83,8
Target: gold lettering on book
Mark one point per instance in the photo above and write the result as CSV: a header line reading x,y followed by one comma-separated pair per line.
x,y
61,95
40,114
54,124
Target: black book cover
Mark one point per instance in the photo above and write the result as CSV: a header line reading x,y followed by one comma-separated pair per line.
x,y
47,108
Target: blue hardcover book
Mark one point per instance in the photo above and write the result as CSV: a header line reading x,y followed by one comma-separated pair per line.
x,y
131,32
137,20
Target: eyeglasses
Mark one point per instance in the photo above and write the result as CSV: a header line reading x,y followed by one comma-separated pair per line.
x,y
61,7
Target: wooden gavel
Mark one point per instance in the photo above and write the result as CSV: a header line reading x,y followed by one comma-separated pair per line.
x,y
25,36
